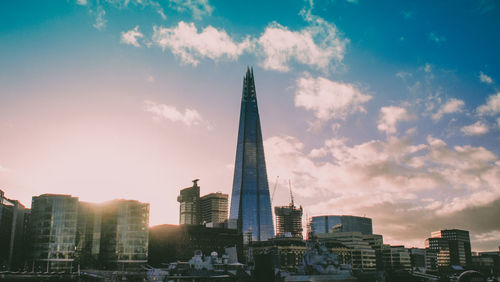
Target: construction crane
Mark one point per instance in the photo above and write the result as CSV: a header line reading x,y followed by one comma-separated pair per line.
x,y
291,195
275,186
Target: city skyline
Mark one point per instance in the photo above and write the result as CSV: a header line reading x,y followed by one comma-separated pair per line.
x,y
386,110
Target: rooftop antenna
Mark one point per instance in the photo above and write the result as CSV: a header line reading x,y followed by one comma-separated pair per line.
x,y
291,195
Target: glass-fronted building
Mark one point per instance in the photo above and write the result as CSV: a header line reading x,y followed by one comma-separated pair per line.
x,y
453,247
124,234
53,230
250,200
341,223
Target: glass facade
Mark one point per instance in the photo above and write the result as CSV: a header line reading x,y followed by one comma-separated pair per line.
x,y
250,200
53,226
342,223
124,234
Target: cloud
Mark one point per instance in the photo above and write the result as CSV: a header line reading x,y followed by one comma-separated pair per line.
x,y
475,129
498,122
197,8
407,14
316,45
167,112
404,75
492,106
81,2
436,38
451,106
185,42
485,78
131,36
4,169
390,116
100,21
329,99
393,181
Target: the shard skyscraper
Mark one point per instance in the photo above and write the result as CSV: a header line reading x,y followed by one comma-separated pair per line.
x,y
250,201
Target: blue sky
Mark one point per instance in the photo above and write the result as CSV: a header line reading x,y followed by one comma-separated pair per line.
x,y
368,107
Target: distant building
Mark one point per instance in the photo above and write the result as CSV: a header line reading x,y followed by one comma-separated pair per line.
x,y
189,200
89,235
53,230
287,252
488,263
376,241
362,254
396,258
124,234
250,200
214,208
11,233
171,243
417,259
441,247
65,233
288,221
453,247
342,223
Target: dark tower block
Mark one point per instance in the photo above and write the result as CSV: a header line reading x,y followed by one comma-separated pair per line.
x,y
250,201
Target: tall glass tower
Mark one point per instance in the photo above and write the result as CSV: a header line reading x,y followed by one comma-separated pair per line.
x,y
250,201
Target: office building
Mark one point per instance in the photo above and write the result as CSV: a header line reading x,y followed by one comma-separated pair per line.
x,y
11,233
452,246
250,200
362,254
340,223
288,252
396,258
376,241
88,235
189,199
171,243
53,230
124,234
213,208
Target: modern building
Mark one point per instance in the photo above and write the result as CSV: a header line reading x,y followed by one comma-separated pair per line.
x,y
171,243
376,241
189,200
88,235
453,247
124,234
441,247
53,232
288,252
288,221
11,233
341,223
213,208
362,254
418,259
396,258
250,200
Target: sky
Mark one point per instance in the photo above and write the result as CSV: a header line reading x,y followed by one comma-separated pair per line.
x,y
384,109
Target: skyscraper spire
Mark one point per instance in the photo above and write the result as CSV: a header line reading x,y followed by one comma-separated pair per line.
x,y
250,201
